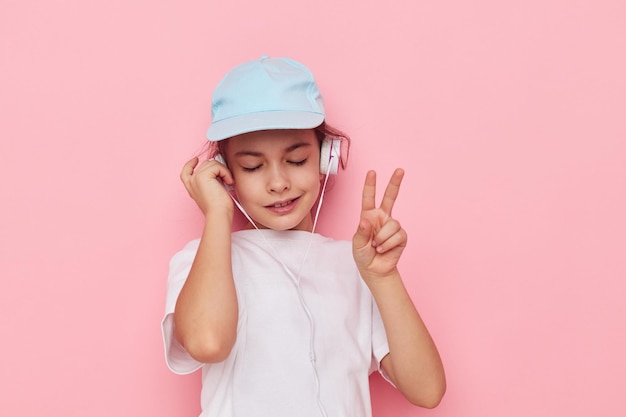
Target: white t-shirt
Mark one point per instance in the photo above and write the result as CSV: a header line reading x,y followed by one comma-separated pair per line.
x,y
301,350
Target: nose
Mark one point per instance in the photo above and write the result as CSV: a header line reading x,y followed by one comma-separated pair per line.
x,y
278,180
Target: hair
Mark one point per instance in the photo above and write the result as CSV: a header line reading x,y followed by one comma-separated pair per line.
x,y
323,131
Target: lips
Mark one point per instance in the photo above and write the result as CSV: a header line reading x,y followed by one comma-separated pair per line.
x,y
282,207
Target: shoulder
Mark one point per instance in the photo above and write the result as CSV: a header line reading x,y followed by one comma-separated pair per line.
x,y
190,247
185,255
334,246
331,244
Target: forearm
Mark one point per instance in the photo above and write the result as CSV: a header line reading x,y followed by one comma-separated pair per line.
x,y
206,311
413,362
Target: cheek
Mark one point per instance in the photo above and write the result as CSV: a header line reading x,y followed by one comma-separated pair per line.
x,y
244,188
315,181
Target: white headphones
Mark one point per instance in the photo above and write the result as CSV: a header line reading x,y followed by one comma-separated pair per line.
x,y
330,154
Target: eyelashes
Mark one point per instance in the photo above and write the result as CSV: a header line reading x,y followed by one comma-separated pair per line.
x,y
295,163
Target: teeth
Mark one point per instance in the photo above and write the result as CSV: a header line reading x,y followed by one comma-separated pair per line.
x,y
282,204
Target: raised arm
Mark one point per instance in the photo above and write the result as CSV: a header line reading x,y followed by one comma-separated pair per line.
x,y
413,362
205,317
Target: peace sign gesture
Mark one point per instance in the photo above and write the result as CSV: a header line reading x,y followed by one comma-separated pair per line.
x,y
379,239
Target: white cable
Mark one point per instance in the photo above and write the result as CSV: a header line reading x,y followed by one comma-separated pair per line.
x,y
296,281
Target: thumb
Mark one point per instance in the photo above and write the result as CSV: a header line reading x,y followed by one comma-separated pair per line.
x,y
363,234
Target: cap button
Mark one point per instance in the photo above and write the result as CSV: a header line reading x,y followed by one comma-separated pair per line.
x,y
264,57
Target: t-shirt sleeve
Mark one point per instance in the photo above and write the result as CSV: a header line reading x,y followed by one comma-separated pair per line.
x,y
176,357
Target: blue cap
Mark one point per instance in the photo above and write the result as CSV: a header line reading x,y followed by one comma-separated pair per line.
x,y
268,93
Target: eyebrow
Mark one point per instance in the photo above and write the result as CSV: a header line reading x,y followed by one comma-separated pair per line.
x,y
290,148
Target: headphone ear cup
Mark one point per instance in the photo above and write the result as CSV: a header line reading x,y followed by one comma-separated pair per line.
x,y
219,158
330,153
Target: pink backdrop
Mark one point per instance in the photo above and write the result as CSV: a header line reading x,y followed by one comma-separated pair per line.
x,y
509,118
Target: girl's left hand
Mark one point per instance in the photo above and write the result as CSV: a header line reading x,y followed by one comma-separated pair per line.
x,y
379,239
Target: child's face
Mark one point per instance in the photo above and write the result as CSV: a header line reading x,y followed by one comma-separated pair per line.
x,y
277,176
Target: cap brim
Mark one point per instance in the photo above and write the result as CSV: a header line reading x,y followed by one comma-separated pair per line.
x,y
253,122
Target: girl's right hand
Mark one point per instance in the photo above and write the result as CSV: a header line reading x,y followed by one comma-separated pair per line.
x,y
203,182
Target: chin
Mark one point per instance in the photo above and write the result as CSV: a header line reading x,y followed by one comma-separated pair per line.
x,y
296,220
285,224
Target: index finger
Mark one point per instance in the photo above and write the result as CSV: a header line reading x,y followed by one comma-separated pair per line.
x,y
392,191
369,191
188,168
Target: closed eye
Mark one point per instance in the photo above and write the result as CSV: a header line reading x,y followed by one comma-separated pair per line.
x,y
254,168
251,169
298,163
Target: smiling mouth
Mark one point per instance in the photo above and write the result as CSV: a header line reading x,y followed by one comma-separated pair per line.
x,y
282,204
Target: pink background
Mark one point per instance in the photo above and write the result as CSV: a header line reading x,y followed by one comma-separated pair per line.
x,y
509,118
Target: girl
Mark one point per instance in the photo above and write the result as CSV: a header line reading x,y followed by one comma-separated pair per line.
x,y
283,321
